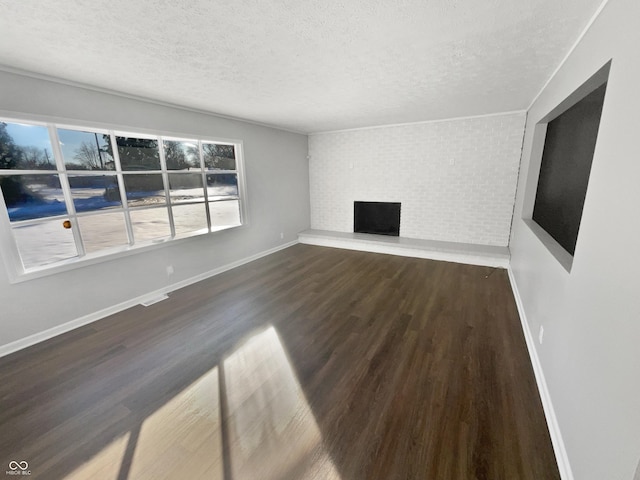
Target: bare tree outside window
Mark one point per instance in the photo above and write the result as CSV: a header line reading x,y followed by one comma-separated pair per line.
x,y
89,156
218,156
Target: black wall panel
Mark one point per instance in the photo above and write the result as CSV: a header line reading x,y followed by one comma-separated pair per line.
x,y
566,165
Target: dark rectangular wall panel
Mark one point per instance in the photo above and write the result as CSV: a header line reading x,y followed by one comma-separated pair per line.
x,y
566,165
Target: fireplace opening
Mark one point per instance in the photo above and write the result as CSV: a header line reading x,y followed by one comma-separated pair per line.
x,y
381,218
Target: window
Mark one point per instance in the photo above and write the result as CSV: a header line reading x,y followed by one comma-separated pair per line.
x,y
71,193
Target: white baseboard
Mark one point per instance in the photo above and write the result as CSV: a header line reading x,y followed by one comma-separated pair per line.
x,y
554,430
562,458
148,297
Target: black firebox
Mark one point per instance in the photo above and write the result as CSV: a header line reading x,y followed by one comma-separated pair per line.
x,y
382,218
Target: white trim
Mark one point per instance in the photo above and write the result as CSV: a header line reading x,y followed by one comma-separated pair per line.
x,y
205,185
573,47
20,274
515,193
92,317
242,184
562,256
62,81
139,98
8,245
101,256
420,122
152,301
559,449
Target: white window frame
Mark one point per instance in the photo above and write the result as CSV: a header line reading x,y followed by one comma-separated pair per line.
x,y
8,244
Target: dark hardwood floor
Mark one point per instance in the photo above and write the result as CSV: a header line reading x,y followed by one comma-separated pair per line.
x,y
309,363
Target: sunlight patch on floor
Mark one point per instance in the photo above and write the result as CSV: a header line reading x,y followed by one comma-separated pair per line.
x,y
272,431
182,439
105,464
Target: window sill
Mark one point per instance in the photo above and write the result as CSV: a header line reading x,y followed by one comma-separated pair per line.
x,y
563,257
103,256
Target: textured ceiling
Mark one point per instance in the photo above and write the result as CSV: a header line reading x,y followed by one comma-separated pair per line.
x,y
302,65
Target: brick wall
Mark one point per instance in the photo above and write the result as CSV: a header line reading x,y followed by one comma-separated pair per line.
x,y
456,179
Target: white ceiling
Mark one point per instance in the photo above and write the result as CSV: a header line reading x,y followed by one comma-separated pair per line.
x,y
303,65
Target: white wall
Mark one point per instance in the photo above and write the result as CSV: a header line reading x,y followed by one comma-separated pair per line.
x,y
591,316
278,201
469,201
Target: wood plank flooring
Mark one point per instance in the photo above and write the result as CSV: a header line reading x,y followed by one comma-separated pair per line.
x,y
311,363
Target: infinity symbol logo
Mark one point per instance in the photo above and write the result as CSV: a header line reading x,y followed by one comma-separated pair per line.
x,y
13,465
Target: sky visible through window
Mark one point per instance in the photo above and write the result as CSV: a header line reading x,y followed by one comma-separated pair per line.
x,y
38,137
196,192
29,135
71,142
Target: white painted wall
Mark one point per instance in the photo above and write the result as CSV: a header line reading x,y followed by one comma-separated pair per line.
x,y
456,179
278,201
591,316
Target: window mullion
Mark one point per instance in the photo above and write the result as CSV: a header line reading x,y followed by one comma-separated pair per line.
x,y
121,187
165,182
66,189
8,243
90,211
204,185
240,180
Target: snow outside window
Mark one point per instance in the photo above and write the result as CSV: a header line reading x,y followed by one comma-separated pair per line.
x,y
70,193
